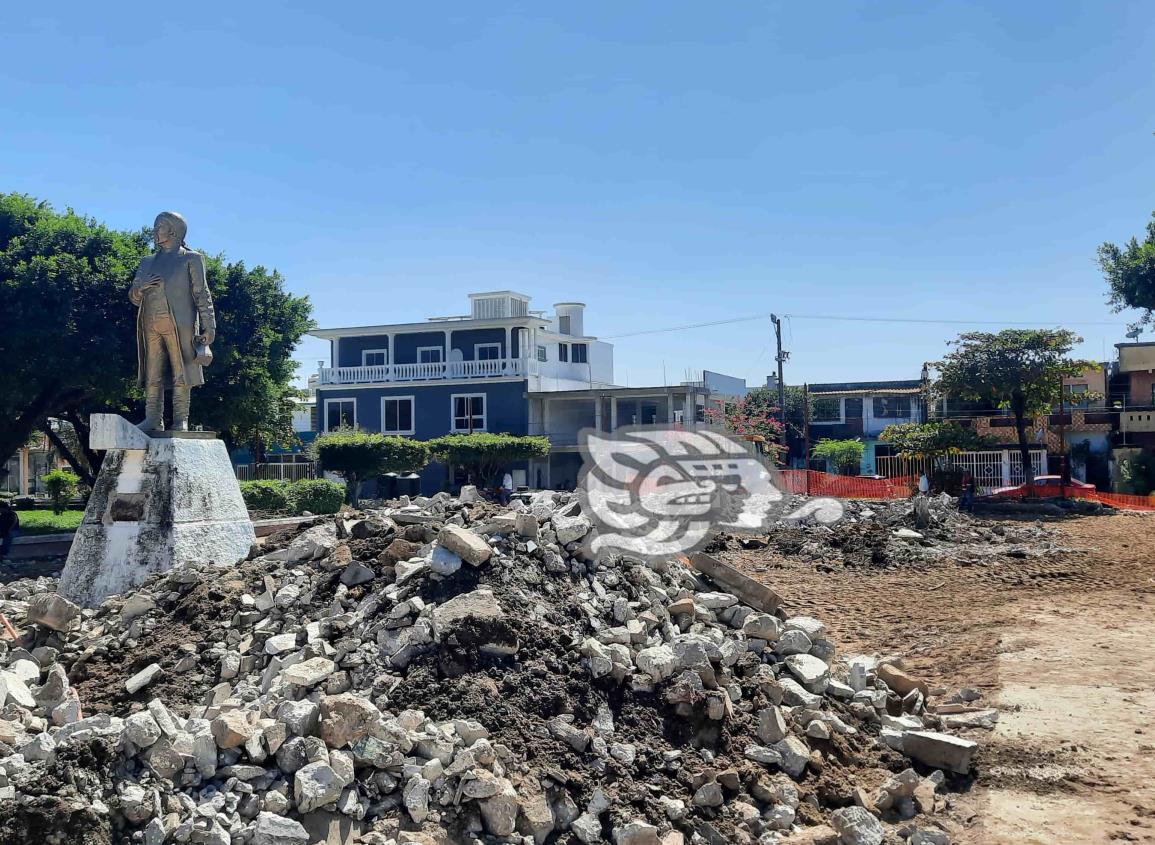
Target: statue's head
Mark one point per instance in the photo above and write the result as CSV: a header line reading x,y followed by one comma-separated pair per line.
x,y
169,227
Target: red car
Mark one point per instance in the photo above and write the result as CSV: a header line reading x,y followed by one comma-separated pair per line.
x,y
1045,485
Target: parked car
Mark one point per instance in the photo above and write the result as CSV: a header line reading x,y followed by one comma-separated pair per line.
x,y
1045,485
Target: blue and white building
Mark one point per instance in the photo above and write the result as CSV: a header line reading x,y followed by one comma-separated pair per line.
x,y
462,373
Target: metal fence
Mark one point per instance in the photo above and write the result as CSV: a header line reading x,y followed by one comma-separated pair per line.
x,y
991,468
276,472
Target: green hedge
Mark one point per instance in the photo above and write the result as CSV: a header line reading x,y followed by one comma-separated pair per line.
x,y
266,495
315,495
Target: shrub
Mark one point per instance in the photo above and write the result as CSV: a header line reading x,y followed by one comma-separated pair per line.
x,y
271,496
315,495
484,454
61,485
356,455
846,455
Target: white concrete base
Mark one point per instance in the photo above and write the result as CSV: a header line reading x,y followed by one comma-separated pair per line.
x,y
176,501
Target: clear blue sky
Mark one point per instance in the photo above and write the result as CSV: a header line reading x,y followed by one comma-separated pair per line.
x,y
667,163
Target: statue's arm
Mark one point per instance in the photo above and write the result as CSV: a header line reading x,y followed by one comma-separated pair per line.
x,y
136,292
203,298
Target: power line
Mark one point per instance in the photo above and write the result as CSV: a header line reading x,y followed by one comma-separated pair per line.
x,y
842,318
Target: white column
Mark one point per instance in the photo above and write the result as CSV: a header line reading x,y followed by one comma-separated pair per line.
x,y
445,355
23,485
390,358
613,413
1006,467
669,409
545,417
598,413
508,343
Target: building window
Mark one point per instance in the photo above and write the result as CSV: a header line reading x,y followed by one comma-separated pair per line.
x,y
487,351
563,351
430,354
340,412
891,407
468,411
580,353
1077,395
397,415
563,324
374,357
826,409
541,356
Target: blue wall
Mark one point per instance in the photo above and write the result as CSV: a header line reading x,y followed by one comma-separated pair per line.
x,y
350,348
506,406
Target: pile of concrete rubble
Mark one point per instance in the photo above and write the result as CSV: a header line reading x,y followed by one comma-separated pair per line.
x,y
901,533
442,671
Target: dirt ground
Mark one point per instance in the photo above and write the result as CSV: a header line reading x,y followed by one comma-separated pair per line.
x,y
1062,645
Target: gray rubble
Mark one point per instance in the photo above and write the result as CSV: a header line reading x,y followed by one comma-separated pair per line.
x,y
440,671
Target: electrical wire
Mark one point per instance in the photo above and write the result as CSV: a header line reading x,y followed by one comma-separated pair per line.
x,y
847,319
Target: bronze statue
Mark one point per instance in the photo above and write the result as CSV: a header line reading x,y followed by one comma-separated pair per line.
x,y
175,323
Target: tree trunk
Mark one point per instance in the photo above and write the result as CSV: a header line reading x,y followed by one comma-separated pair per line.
x,y
14,435
1018,407
60,446
95,459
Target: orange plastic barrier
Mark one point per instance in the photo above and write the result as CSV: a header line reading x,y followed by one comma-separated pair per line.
x,y
1125,501
814,483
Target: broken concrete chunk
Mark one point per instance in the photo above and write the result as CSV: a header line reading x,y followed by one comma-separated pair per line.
x,y
52,611
470,547
143,678
942,751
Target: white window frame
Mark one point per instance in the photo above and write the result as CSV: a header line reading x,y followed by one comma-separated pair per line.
x,y
841,412
412,414
477,347
328,402
439,349
367,352
585,347
542,354
563,353
453,412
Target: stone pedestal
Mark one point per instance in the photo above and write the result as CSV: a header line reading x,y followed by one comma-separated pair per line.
x,y
160,500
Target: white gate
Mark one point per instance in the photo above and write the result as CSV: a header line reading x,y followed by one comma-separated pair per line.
x,y
991,468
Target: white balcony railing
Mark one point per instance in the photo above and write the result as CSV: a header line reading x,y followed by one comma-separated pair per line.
x,y
500,368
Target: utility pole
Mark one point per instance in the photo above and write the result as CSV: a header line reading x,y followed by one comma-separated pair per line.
x,y
806,434
780,358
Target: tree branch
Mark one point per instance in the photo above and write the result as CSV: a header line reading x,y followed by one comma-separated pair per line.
x,y
59,445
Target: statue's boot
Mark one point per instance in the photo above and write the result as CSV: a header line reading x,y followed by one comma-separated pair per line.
x,y
153,408
181,398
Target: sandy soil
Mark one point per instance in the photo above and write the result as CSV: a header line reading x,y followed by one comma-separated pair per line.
x,y
1063,645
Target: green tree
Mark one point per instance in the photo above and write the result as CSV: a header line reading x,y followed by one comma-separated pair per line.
x,y
360,455
934,440
484,454
846,455
1130,273
1138,473
61,485
1018,369
67,334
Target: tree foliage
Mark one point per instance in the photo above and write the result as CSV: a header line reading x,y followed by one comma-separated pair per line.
x,y
845,455
357,455
1138,473
934,440
1018,369
61,486
754,415
1130,273
484,454
68,333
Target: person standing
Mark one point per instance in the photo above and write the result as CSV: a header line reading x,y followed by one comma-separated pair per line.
x,y
506,490
9,527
